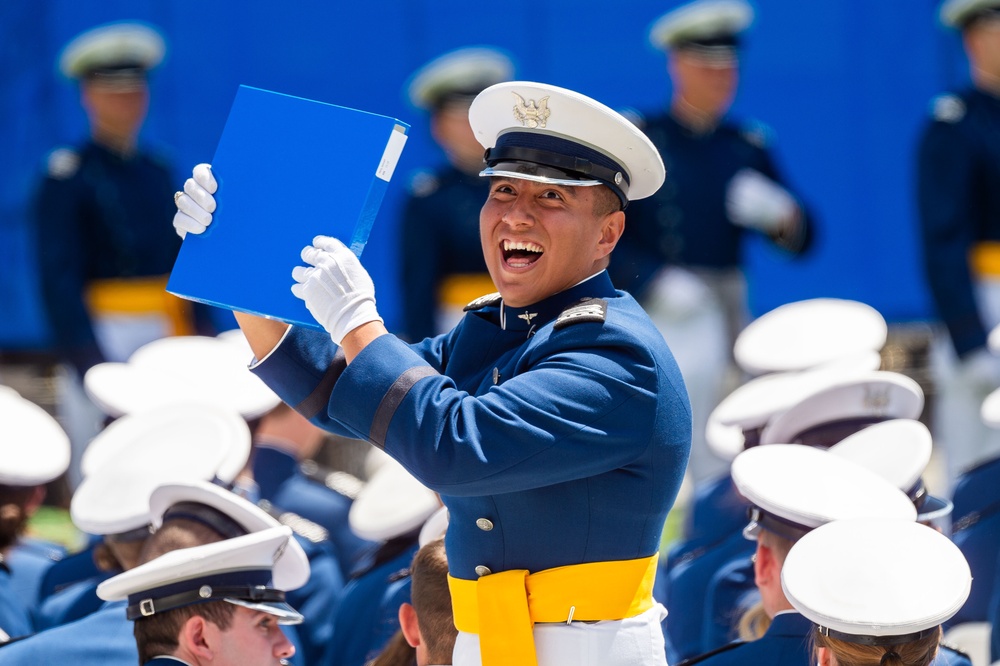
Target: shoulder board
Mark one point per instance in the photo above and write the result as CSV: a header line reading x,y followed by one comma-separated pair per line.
x,y
343,483
690,661
589,309
948,108
757,134
483,302
304,527
63,163
956,650
424,184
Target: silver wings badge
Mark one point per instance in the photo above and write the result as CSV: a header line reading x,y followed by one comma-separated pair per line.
x,y
531,114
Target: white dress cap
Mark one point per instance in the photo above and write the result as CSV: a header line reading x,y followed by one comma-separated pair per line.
x,y
206,435
391,504
803,488
750,407
34,449
990,409
543,133
435,527
137,453
846,404
956,13
878,582
243,571
808,333
700,20
174,500
181,368
112,45
464,72
899,451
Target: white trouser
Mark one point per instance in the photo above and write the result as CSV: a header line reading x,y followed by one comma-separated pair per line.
x,y
636,641
693,313
958,427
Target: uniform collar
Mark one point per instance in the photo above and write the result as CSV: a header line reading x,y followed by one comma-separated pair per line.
x,y
539,314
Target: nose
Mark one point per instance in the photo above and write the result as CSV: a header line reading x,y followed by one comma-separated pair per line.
x,y
519,213
283,648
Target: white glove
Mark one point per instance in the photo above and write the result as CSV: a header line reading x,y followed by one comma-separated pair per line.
x,y
196,204
981,368
336,288
755,201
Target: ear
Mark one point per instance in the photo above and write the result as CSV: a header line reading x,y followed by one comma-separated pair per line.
x,y
408,623
825,657
195,637
763,562
612,228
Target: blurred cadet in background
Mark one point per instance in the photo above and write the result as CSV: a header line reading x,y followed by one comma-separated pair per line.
x,y
959,202
443,267
102,216
680,253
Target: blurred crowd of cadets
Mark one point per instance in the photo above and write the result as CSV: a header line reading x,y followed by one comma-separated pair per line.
x,y
423,193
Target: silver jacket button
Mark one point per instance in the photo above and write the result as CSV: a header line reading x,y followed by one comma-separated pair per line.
x,y
485,524
483,571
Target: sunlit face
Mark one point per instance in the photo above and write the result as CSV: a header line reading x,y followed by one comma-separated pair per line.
x,y
982,43
706,85
253,638
540,239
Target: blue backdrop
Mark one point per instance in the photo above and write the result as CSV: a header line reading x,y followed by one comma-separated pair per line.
x,y
845,84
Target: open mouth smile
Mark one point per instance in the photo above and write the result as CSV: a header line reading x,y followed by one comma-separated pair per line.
x,y
520,254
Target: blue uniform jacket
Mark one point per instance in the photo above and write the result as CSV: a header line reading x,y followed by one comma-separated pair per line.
x,y
976,531
731,593
103,638
959,201
282,483
99,215
569,440
439,237
29,561
786,643
15,617
685,221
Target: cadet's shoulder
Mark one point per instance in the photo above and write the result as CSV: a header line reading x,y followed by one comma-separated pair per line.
x,y
486,301
423,183
719,655
593,310
63,163
754,132
949,108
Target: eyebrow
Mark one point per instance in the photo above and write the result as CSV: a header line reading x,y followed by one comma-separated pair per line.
x,y
569,190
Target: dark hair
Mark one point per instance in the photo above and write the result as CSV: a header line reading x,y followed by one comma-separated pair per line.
x,y
13,513
431,600
158,634
605,201
918,652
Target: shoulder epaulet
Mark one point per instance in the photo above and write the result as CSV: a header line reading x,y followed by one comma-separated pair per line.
x,y
483,301
691,661
343,483
948,108
424,183
63,163
304,527
757,133
956,650
589,309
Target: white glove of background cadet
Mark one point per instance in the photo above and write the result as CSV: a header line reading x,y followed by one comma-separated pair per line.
x,y
195,204
753,200
336,287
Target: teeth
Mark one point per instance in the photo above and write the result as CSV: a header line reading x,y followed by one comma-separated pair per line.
x,y
521,245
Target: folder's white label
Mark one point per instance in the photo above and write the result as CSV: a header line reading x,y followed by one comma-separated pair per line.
x,y
390,157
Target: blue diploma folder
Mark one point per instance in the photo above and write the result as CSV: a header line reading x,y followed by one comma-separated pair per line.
x,y
288,169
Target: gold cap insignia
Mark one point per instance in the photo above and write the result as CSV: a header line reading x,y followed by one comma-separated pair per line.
x,y
531,114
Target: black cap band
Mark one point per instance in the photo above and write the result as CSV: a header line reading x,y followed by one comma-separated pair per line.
x,y
862,639
243,585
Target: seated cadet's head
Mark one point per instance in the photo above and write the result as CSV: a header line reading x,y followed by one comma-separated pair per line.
x,y
111,62
446,87
428,622
562,168
979,22
214,603
35,450
701,40
864,583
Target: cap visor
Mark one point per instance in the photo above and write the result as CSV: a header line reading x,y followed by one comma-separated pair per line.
x,y
285,613
568,182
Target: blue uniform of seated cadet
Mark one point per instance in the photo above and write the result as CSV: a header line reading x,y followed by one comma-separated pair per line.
x,y
958,161
34,450
442,264
221,603
552,420
680,254
877,590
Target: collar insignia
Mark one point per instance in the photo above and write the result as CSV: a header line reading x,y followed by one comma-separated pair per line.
x,y
531,114
527,316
